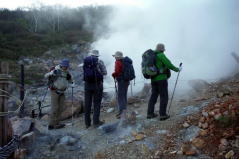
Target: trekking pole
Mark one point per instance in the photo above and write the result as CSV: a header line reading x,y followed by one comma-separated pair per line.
x,y
174,89
116,91
131,87
45,95
72,117
41,102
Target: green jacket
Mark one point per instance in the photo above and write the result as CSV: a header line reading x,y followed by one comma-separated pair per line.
x,y
163,62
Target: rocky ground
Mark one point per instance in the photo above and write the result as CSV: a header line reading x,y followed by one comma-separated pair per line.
x,y
203,124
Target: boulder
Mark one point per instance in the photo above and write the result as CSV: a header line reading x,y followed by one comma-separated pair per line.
x,y
162,132
186,125
67,140
145,92
188,149
203,132
205,125
198,143
21,126
230,155
110,127
139,136
28,138
110,110
190,133
76,107
128,118
189,110
198,85
45,117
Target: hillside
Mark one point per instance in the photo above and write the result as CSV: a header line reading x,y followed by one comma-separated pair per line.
x,y
37,34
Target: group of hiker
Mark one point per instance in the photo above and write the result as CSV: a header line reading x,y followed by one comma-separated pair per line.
x,y
155,66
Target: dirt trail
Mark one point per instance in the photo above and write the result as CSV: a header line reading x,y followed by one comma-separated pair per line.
x,y
121,143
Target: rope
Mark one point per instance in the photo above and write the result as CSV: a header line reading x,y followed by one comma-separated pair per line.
x,y
2,114
9,95
4,77
8,149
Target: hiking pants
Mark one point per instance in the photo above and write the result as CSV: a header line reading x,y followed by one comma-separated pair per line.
x,y
159,88
122,95
57,105
93,93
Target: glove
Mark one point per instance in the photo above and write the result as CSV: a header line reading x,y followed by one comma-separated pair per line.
x,y
113,75
180,68
68,76
54,73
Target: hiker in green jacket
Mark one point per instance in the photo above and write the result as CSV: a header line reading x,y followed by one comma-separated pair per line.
x,y
160,84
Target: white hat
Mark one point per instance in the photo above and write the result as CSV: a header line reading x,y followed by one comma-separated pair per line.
x,y
118,54
95,53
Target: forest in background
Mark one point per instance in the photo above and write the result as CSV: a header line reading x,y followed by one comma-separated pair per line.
x,y
29,32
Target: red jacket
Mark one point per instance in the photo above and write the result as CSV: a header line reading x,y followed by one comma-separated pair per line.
x,y
118,68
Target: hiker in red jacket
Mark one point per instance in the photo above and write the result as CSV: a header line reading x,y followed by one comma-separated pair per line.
x,y
122,84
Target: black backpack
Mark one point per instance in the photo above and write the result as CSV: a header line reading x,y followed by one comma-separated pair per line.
x,y
128,69
91,71
148,65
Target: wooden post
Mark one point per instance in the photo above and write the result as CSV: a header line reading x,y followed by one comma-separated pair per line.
x,y
22,92
4,77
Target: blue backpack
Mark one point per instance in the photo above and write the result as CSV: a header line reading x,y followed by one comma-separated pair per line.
x,y
128,69
91,71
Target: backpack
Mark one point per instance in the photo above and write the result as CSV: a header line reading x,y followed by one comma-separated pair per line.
x,y
91,71
148,65
128,73
57,74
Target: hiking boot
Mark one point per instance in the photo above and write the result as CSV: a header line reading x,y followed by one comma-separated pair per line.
x,y
87,126
164,117
50,127
99,124
58,126
150,116
118,115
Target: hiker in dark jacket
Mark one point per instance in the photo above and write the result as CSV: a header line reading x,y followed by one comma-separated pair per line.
x,y
94,70
122,85
160,85
59,79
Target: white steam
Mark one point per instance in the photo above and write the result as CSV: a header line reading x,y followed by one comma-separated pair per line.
x,y
201,34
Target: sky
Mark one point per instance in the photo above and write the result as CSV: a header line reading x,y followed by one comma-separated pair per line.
x,y
13,4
